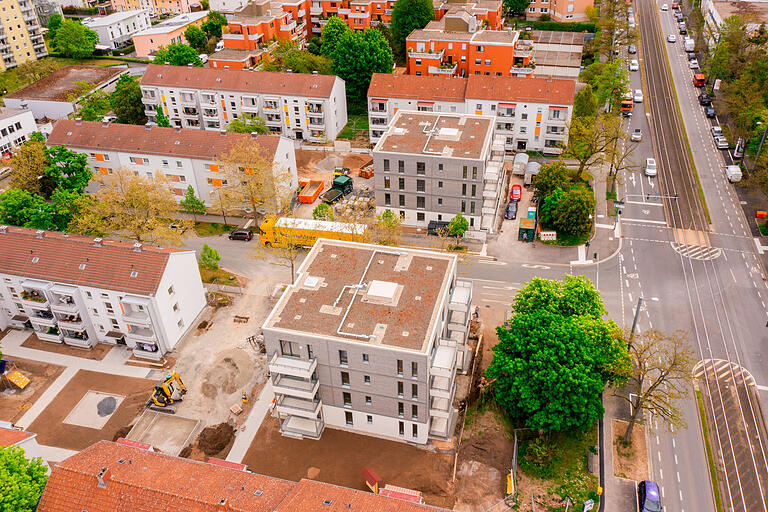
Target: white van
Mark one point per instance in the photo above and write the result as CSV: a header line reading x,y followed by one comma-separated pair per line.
x,y
733,173
203,57
219,46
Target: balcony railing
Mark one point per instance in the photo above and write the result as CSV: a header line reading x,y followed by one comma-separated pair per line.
x,y
296,426
142,334
316,9
443,69
298,406
73,322
51,334
293,386
286,365
444,361
426,54
34,299
42,318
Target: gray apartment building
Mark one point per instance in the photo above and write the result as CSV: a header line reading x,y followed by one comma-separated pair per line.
x,y
431,166
369,339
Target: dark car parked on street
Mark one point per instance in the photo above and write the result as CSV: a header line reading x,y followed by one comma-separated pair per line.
x,y
704,100
241,234
511,211
648,498
709,111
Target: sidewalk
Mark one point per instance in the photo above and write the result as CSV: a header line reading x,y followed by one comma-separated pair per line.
x,y
247,433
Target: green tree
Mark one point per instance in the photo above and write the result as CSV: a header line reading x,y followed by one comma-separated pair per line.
x,y
574,211
555,356
287,55
35,70
611,84
387,229
247,123
322,212
22,480
126,101
358,55
93,106
54,22
551,177
178,54
196,37
17,206
21,208
67,170
549,206
407,16
332,33
160,118
458,225
209,258
192,204
213,23
585,103
516,6
28,164
74,40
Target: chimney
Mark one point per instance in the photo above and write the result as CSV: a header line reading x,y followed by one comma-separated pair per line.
x,y
177,130
148,126
254,135
289,71
97,242
105,124
104,476
314,73
78,121
39,233
223,505
3,229
137,247
226,68
223,133
167,63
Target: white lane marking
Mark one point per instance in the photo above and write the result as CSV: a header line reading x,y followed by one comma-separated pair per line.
x,y
644,221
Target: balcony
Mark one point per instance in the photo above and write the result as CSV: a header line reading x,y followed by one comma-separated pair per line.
x,y
292,406
439,427
51,334
316,121
445,68
426,55
273,120
441,386
520,71
141,334
293,366
315,108
135,316
34,299
558,135
301,13
77,339
300,388
148,352
461,297
440,407
210,113
42,318
233,37
287,27
444,361
71,322
190,112
342,10
298,427
315,9
271,106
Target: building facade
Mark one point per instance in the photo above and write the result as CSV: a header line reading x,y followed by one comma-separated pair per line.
x,y
82,291
185,157
21,38
369,339
429,166
10,435
156,7
15,128
565,12
297,106
532,114
715,12
116,30
45,9
149,40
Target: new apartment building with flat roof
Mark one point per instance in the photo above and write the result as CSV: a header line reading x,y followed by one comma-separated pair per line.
x,y
430,166
82,291
532,114
185,157
369,339
295,105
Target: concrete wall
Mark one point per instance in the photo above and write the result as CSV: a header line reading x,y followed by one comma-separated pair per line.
x,y
179,307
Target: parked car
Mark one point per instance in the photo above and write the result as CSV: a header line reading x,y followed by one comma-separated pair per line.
x,y
437,227
675,5
648,498
704,99
638,97
693,64
634,65
716,131
664,7
721,143
671,38
516,193
691,56
632,48
511,211
219,46
678,16
241,234
637,135
650,167
709,111
733,173
683,31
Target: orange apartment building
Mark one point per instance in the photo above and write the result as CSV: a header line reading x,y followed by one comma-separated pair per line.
x,y
158,6
559,10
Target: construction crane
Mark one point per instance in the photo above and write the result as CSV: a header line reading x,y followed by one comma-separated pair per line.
x,y
166,392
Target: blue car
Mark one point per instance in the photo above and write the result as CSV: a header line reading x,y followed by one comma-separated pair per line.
x,y
648,497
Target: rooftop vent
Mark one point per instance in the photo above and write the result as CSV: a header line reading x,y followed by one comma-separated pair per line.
x,y
134,273
218,79
82,266
105,124
223,505
137,247
258,493
383,292
327,502
78,121
223,132
289,71
35,259
314,73
39,233
3,229
148,126
167,63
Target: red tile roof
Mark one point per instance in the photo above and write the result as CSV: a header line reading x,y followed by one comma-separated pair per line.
x,y
255,82
11,436
144,481
507,88
180,142
76,260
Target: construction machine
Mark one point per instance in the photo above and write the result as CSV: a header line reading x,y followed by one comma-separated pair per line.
x,y
166,392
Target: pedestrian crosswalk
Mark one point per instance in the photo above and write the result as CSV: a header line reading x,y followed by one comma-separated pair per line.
x,y
697,252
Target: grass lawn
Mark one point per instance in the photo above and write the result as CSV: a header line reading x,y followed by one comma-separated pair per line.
x,y
212,228
355,125
218,276
11,81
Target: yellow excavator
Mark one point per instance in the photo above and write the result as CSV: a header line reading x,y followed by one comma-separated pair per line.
x,y
166,392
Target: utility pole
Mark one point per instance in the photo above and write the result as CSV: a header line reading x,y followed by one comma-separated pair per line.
x,y
760,148
634,322
597,276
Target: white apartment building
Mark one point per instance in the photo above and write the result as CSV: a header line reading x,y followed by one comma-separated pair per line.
x,y
117,29
186,157
369,339
82,291
532,113
430,166
15,127
295,105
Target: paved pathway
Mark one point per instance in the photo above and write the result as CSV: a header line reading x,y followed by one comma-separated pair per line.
x,y
252,424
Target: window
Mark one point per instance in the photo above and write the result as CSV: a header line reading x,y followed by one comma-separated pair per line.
x,y
180,323
370,419
415,412
472,207
289,348
310,354
474,190
400,409
345,379
176,307
343,358
386,182
478,62
400,389
439,201
386,165
365,358
414,369
420,185
479,48
88,294
415,430
523,116
401,428
463,189
439,167
399,366
400,166
387,199
401,183
464,172
474,173
463,207
414,391
347,399
522,129
420,168
368,400
348,417
401,200
421,202
487,62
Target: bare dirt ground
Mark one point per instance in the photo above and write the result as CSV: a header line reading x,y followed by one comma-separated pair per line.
x,y
214,441
629,462
307,160
49,424
97,353
13,401
340,457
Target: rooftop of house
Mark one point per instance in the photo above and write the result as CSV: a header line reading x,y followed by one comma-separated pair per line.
x,y
463,136
557,37
234,55
81,260
752,12
395,304
13,436
102,21
61,84
174,23
433,88
111,477
255,82
435,31
153,140
6,112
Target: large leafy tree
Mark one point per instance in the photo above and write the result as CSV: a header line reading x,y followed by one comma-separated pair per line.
x,y
75,40
332,33
178,54
67,170
21,480
358,55
585,103
288,55
213,23
407,16
458,225
556,355
516,6
126,101
192,204
93,106
551,177
35,70
54,22
28,164
574,210
21,208
160,118
196,37
247,123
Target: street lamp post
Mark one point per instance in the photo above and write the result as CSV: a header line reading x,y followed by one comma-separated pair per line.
x,y
760,148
